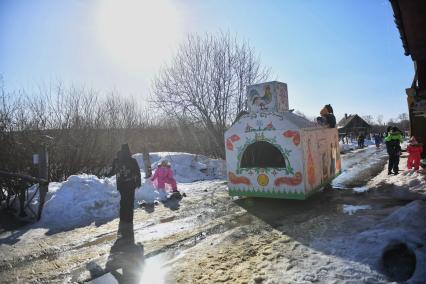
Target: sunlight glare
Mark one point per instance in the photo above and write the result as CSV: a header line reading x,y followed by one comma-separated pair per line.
x,y
137,35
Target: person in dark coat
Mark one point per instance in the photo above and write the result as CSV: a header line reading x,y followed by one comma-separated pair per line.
x,y
393,146
327,117
377,140
128,178
361,140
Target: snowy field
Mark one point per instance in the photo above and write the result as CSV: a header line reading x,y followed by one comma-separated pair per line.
x,y
337,236
83,199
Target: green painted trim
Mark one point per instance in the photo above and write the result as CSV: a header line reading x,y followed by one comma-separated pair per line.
x,y
283,195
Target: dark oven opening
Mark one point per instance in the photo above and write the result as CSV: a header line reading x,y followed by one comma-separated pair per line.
x,y
262,154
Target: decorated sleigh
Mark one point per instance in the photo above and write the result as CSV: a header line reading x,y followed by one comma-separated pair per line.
x,y
272,152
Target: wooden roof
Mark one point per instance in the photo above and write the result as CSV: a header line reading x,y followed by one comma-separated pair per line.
x,y
346,121
410,19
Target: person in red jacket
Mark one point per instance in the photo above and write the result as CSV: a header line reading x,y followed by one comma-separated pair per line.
x,y
414,150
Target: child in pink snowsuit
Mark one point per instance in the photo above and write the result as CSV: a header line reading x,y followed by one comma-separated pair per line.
x,y
414,150
163,175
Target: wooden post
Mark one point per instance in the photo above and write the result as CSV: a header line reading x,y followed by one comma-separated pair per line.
x,y
22,197
147,164
43,172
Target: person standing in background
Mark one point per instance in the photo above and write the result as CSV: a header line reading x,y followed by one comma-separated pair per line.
x,y
128,178
377,140
393,146
414,150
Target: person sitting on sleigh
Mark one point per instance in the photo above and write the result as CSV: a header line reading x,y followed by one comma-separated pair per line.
x,y
327,117
164,175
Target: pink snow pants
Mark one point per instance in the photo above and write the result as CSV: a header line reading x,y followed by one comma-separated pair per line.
x,y
170,181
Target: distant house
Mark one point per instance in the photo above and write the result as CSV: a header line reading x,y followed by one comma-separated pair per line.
x,y
352,126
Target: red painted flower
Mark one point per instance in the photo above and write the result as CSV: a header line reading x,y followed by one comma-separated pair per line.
x,y
269,126
294,180
229,145
233,178
234,138
293,134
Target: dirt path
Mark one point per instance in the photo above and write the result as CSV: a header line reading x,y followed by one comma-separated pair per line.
x,y
71,255
274,243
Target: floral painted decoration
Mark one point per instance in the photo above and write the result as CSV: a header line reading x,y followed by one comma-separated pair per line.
x,y
294,180
234,179
293,134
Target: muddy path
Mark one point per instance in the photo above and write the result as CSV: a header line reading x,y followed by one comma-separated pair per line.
x,y
274,238
209,237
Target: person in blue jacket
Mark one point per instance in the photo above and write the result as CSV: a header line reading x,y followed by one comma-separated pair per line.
x,y
377,140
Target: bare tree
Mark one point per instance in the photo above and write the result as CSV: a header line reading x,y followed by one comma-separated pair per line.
x,y
404,122
369,119
85,129
380,119
206,82
403,116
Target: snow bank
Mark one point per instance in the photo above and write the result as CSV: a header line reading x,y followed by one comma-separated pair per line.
x,y
352,209
370,163
360,165
83,199
186,167
353,145
347,147
406,180
405,225
360,189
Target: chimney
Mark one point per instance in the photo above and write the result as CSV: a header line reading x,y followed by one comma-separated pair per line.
x,y
267,97
346,116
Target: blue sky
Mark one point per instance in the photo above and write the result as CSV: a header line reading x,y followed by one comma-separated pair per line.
x,y
347,53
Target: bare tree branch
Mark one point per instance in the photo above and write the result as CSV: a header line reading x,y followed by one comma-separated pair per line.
x,y
206,82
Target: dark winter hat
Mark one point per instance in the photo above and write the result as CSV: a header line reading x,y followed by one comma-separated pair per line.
x,y
125,150
329,108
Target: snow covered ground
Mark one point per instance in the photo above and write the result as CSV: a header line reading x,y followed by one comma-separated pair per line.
x,y
353,145
83,199
404,225
337,236
360,165
323,246
352,209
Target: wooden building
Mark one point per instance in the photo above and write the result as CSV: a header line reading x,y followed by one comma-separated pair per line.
x,y
352,126
410,19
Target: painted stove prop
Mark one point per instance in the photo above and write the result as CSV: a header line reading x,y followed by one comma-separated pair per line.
x,y
272,152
